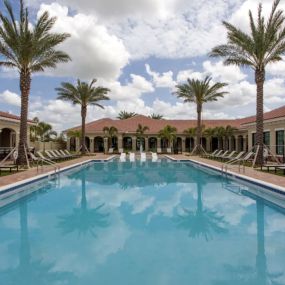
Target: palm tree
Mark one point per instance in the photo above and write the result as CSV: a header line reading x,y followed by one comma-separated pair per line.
x,y
83,94
74,133
200,92
168,133
264,45
110,133
45,132
28,49
140,133
190,133
156,116
123,115
229,132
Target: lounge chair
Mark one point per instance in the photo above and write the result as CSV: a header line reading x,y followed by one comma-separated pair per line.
x,y
121,150
168,150
220,152
273,166
9,167
68,153
52,155
132,157
210,154
230,156
159,150
154,157
62,155
111,150
123,157
50,160
143,157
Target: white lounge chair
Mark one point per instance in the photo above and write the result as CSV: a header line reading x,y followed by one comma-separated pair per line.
x,y
123,157
132,157
154,157
121,150
159,150
230,156
168,150
143,157
111,150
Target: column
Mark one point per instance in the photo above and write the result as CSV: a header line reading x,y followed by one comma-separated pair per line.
x,y
158,143
91,144
134,144
230,146
237,148
120,142
68,144
245,143
146,144
183,144
208,144
77,144
106,145
273,141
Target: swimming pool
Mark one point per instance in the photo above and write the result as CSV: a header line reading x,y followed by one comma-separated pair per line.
x,y
141,223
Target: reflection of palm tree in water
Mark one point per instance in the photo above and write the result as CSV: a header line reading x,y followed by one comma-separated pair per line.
x,y
32,272
83,220
247,275
202,222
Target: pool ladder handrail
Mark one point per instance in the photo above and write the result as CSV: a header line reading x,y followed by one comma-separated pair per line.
x,y
49,162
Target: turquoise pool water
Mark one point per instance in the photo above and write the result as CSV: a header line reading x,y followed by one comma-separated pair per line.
x,y
133,224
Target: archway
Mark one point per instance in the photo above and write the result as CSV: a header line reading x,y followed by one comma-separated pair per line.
x,y
140,141
189,144
98,144
152,144
114,143
214,144
240,144
127,143
178,145
87,143
7,141
164,144
72,144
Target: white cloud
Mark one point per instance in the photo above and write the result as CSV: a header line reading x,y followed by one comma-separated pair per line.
x,y
95,52
164,80
10,98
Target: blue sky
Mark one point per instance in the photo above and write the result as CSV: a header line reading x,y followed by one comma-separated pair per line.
x,y
141,50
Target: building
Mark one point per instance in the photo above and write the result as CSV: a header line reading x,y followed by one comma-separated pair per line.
x,y
9,132
243,138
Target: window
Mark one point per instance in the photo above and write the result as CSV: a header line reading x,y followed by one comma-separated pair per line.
x,y
280,142
266,138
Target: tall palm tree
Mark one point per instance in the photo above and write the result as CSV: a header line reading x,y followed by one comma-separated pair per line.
x,y
156,116
110,133
140,133
83,94
28,50
264,44
123,115
229,132
200,92
45,132
168,133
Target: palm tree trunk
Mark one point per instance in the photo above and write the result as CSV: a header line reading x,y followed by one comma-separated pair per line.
x,y
259,80
25,86
83,118
199,111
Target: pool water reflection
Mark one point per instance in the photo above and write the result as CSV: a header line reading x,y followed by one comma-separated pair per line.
x,y
150,223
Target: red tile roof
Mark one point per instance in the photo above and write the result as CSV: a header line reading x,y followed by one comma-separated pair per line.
x,y
130,125
276,113
11,116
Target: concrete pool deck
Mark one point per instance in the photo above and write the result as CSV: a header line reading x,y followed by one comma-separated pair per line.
x,y
33,173
249,171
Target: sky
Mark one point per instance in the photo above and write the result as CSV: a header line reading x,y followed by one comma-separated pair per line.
x,y
141,49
